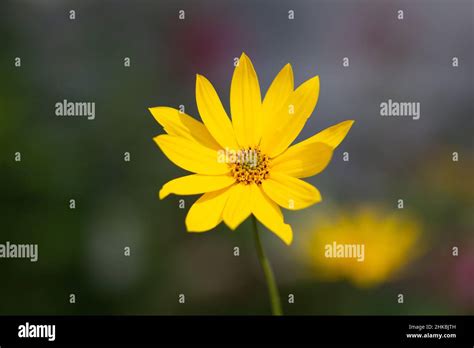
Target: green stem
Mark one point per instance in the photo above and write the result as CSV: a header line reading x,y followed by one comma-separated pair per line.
x,y
267,270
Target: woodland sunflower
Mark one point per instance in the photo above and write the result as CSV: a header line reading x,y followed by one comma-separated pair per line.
x,y
246,165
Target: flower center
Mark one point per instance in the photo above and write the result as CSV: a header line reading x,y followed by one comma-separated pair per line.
x,y
251,166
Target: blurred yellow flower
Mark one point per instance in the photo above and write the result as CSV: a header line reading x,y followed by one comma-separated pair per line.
x,y
367,247
245,165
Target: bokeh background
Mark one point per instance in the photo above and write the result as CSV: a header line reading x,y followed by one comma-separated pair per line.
x,y
81,251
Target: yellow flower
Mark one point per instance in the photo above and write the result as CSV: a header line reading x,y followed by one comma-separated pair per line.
x,y
367,247
246,165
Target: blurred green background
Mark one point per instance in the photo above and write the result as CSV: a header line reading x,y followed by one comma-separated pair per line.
x,y
81,251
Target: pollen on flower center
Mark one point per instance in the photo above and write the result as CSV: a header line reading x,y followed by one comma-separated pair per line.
x,y
251,166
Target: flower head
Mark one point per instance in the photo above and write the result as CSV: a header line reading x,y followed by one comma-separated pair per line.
x,y
366,247
245,165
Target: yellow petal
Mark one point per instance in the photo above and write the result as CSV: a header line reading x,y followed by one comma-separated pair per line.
x,y
213,114
179,124
269,214
289,192
206,212
331,136
196,183
190,155
276,96
237,208
293,115
246,103
302,160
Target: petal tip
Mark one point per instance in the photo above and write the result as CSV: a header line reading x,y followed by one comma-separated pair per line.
x,y
245,59
153,111
233,227
288,69
163,194
189,228
200,78
158,139
288,235
310,83
244,55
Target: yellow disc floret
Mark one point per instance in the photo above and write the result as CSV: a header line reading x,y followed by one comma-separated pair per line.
x,y
250,166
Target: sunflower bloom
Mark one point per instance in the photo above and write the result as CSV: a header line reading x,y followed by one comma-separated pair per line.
x,y
374,245
246,165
